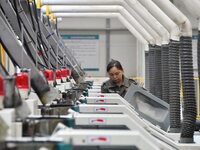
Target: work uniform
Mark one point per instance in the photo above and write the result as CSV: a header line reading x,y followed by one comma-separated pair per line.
x,y
111,87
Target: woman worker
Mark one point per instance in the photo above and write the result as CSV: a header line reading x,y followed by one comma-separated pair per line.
x,y
117,83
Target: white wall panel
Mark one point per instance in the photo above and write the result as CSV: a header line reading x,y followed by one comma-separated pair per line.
x,y
123,45
102,52
123,48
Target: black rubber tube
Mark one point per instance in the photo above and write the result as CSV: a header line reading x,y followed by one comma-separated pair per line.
x,y
189,113
147,69
151,69
198,59
165,72
158,72
174,86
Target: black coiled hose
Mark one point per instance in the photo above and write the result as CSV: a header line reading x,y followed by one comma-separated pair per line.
x,y
165,72
147,69
189,113
198,56
174,87
158,72
151,69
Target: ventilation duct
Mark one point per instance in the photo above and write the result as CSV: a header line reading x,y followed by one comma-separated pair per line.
x,y
193,8
151,27
189,112
107,15
158,72
152,21
174,35
174,86
172,28
165,72
189,115
103,9
151,69
198,57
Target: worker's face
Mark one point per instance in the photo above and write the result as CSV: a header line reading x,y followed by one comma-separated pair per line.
x,y
115,75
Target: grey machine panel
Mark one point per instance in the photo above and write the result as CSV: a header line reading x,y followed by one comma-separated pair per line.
x,y
149,106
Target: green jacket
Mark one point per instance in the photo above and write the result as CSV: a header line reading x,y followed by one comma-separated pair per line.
x,y
111,87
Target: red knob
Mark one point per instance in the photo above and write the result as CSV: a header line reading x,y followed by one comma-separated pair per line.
x,y
64,72
22,80
58,74
48,74
1,86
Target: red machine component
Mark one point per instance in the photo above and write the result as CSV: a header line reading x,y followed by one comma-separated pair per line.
x,y
65,72
48,75
22,80
1,86
22,83
58,74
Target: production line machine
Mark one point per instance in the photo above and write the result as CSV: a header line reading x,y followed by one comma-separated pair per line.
x,y
127,116
8,36
131,120
64,110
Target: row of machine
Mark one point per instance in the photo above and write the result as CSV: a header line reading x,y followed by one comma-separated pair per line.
x,y
49,103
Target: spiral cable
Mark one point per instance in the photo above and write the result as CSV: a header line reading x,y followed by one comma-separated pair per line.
x,y
198,58
189,114
151,69
165,72
158,72
174,86
147,69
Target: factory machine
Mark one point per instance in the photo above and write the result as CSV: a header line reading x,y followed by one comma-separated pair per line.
x,y
49,103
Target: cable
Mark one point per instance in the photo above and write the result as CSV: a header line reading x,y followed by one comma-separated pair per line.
x,y
189,113
174,86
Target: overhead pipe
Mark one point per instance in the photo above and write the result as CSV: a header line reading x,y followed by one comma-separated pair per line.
x,y
176,15
153,49
174,35
172,80
162,80
193,7
108,15
155,68
171,26
143,12
105,9
155,63
174,88
155,73
159,27
80,2
189,115
143,22
154,23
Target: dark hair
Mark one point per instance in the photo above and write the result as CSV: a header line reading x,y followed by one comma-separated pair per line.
x,y
114,63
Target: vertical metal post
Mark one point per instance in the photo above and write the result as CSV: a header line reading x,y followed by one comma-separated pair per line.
x,y
107,40
57,56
